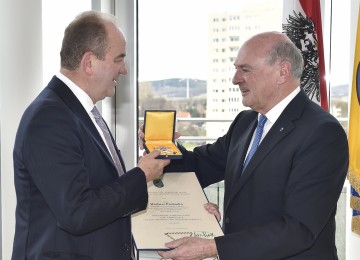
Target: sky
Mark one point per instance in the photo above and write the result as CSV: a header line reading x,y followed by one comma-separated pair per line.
x,y
173,36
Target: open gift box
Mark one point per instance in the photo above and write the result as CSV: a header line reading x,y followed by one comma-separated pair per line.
x,y
159,127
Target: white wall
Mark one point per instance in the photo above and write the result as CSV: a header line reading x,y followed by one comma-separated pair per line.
x,y
20,81
352,240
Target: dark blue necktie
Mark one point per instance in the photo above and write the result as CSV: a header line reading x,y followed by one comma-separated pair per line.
x,y
258,133
100,121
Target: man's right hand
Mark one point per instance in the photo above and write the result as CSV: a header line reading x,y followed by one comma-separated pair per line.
x,y
153,168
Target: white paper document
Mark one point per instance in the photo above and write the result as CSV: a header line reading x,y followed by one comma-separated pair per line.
x,y
175,210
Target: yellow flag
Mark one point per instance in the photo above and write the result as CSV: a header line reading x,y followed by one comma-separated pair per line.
x,y
354,137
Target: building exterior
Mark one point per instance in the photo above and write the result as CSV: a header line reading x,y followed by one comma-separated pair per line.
x,y
227,32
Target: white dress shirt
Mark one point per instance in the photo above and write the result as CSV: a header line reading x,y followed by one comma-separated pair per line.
x,y
274,114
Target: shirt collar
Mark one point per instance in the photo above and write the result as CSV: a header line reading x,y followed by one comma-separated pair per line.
x,y
276,111
80,94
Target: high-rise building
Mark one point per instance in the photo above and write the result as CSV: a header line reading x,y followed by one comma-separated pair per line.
x,y
227,32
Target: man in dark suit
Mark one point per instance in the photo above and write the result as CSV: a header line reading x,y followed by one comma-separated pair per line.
x,y
281,203
74,196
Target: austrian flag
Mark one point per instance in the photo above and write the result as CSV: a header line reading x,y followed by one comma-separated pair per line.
x,y
302,24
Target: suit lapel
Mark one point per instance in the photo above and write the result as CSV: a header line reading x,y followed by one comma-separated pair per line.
x,y
241,151
274,136
74,104
282,127
235,165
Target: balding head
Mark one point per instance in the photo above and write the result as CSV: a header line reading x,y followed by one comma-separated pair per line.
x,y
88,32
268,69
278,47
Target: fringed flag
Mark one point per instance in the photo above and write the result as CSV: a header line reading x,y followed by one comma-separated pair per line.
x,y
302,24
354,137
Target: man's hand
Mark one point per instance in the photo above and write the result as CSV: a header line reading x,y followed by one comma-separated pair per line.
x,y
153,168
213,209
190,248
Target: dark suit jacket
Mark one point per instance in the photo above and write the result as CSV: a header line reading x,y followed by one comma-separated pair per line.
x,y
283,205
71,203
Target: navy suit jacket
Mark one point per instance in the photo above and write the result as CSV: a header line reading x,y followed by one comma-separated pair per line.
x,y
71,203
283,205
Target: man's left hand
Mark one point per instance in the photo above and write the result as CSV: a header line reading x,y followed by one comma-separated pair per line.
x,y
190,248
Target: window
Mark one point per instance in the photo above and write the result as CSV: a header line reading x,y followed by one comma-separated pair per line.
x,y
180,50
337,57
186,50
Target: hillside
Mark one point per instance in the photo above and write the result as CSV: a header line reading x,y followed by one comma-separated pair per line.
x,y
176,87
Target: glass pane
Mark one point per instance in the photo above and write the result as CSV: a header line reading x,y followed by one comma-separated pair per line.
x,y
187,50
339,61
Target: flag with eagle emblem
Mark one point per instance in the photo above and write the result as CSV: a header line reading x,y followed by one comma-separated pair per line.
x,y
354,137
302,24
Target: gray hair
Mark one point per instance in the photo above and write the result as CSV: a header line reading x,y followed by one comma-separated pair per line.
x,y
286,50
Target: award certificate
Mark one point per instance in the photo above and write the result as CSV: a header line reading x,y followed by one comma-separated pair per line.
x,y
175,209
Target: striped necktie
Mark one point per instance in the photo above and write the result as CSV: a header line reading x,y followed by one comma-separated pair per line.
x,y
101,123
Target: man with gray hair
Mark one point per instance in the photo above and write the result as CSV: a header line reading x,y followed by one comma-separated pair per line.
x,y
283,162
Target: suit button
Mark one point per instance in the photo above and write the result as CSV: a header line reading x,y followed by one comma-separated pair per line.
x,y
227,220
126,247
